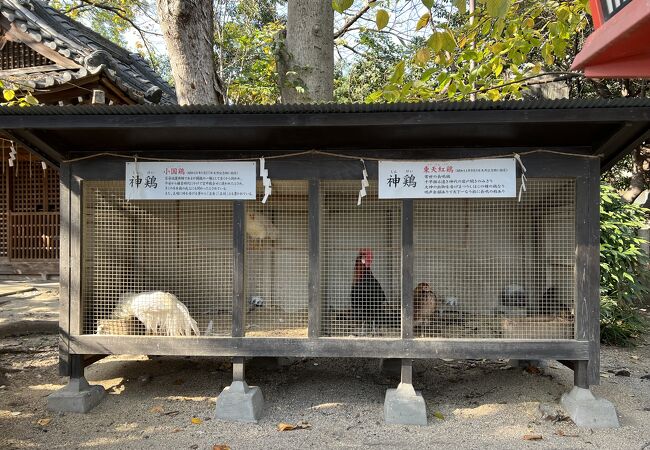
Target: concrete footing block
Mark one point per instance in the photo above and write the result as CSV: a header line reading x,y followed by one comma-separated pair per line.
x,y
240,403
405,406
78,397
589,411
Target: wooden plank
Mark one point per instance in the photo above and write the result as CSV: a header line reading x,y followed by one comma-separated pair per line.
x,y
332,347
314,320
407,269
64,270
592,288
32,69
238,275
76,262
587,268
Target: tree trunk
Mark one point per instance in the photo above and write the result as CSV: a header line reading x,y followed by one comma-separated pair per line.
x,y
641,169
306,57
188,30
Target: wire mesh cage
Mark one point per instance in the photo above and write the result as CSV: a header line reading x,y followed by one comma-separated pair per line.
x,y
497,268
360,262
155,267
277,261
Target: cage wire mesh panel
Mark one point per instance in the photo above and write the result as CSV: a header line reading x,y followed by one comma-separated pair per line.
x,y
277,261
497,268
155,267
360,262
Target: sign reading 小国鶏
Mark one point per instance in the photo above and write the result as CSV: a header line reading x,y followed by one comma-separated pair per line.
x,y
190,180
477,178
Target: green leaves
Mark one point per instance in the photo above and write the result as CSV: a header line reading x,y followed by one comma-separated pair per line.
x,y
441,40
497,8
428,3
398,73
460,5
341,5
422,56
381,19
423,21
8,94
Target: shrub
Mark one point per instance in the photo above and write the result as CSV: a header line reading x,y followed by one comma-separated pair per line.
x,y
624,279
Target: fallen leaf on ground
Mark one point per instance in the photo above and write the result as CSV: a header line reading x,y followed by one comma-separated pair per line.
x,y
301,425
44,421
533,437
564,434
158,409
176,430
438,415
220,447
196,421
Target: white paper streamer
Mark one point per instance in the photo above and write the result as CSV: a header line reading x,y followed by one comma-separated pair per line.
x,y
43,165
266,181
364,183
522,188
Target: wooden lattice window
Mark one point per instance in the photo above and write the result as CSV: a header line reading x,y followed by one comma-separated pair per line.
x,y
16,55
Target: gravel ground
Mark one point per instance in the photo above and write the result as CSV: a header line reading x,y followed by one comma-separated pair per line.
x,y
151,403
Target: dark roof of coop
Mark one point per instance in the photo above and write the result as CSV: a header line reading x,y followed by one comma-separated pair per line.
x,y
443,130
69,53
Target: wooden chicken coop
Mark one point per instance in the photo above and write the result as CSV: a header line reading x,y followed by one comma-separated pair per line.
x,y
318,269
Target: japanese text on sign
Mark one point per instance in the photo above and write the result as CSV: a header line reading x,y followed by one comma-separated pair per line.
x,y
193,181
477,178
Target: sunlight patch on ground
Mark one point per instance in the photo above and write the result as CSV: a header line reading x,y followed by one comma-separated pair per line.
x,y
488,409
46,387
111,442
126,427
327,406
7,414
112,385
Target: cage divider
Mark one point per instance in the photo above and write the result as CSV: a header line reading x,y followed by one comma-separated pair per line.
x,y
239,276
314,315
407,269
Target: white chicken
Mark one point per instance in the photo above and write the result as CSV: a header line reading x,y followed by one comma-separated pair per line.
x,y
258,226
160,312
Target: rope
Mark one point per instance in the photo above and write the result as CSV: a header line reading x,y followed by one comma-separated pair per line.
x,y
336,155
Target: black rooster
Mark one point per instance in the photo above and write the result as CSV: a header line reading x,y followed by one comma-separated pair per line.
x,y
367,298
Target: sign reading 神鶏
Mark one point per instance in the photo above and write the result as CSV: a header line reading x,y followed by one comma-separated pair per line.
x,y
190,180
477,178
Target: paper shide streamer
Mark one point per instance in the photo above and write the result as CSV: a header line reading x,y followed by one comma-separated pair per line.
x,y
266,181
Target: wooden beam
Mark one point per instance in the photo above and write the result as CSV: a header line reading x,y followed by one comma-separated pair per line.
x,y
238,269
332,347
28,70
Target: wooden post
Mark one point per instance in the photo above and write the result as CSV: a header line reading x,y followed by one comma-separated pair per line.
x,y
314,321
238,274
64,271
587,265
407,269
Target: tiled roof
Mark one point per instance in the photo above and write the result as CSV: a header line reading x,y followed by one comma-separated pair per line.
x,y
94,53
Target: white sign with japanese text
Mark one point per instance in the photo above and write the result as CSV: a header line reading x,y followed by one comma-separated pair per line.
x,y
190,180
476,178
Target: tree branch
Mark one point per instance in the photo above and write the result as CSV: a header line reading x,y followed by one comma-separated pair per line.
x,y
353,19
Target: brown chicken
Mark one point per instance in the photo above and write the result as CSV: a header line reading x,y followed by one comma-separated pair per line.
x,y
425,303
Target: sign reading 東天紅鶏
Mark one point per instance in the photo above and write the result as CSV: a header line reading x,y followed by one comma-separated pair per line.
x,y
477,178
190,181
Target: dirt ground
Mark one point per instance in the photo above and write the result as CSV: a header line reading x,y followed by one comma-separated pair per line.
x,y
164,402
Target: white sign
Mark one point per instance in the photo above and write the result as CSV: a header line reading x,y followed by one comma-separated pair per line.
x,y
476,178
190,180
